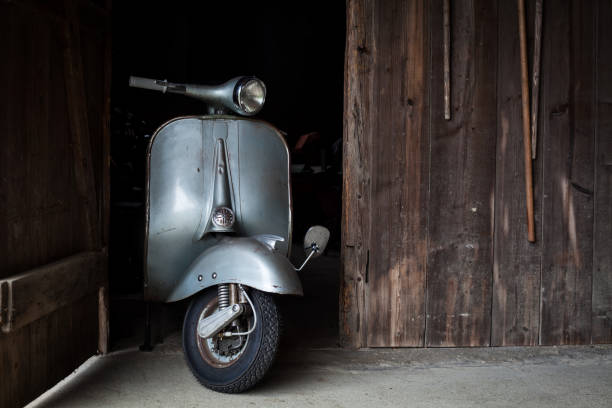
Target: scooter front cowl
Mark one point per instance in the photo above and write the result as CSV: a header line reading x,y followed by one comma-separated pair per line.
x,y
201,167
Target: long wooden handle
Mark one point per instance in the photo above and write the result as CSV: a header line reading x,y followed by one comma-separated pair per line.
x,y
447,109
526,127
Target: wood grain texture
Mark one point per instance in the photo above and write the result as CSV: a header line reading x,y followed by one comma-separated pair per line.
x,y
568,149
79,125
35,357
535,77
528,171
36,185
602,243
399,176
356,185
462,187
516,265
42,216
39,292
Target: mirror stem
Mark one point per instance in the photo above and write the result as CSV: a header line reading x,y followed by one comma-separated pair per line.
x,y
313,250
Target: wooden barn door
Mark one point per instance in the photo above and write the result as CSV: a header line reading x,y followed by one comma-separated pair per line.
x,y
54,110
435,249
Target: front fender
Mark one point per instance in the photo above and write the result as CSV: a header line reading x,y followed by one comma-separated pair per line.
x,y
239,260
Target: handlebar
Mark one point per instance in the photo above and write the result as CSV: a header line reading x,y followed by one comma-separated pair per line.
x,y
217,97
156,85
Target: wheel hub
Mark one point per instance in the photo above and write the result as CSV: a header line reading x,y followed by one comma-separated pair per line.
x,y
222,351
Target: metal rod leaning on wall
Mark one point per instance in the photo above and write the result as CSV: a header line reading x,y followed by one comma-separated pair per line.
x,y
535,86
447,109
526,127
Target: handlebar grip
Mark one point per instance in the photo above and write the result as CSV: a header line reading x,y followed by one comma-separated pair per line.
x,y
147,83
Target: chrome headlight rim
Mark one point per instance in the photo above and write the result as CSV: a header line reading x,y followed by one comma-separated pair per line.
x,y
239,96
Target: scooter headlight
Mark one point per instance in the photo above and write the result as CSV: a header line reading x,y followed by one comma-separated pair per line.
x,y
250,95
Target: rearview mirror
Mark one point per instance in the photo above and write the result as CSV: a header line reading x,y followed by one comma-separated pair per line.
x,y
315,240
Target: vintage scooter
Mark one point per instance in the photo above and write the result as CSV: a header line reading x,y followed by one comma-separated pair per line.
x,y
218,229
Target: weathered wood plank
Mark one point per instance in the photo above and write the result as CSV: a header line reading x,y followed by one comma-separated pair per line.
x,y
516,265
568,169
462,187
35,357
356,184
399,176
79,126
36,189
602,243
36,293
103,320
41,214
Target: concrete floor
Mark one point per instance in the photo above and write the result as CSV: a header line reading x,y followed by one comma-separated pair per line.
x,y
311,371
493,377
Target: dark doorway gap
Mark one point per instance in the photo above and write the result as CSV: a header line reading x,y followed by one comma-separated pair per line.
x,y
297,49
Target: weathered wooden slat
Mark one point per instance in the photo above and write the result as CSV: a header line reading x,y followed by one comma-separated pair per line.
x,y
103,320
79,125
35,357
399,175
516,266
567,202
462,186
356,184
602,249
39,292
36,189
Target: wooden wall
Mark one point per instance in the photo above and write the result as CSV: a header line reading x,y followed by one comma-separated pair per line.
x,y
435,248
54,110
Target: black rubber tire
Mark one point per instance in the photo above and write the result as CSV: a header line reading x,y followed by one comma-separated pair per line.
x,y
255,361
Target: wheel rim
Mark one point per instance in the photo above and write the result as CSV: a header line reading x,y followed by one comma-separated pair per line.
x,y
217,351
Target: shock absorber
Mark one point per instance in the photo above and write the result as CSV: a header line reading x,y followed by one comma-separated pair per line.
x,y
223,295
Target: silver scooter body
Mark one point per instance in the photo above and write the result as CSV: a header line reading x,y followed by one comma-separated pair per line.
x,y
196,165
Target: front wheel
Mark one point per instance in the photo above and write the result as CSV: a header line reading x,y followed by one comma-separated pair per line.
x,y
236,363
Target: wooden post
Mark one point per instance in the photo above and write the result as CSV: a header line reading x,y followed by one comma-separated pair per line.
x,y
103,332
526,127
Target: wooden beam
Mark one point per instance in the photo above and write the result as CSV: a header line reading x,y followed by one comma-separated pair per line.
x,y
39,292
356,188
103,321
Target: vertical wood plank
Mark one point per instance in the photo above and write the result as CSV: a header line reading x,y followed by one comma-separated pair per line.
x,y
399,176
516,265
568,170
602,250
79,125
462,179
462,173
35,357
356,170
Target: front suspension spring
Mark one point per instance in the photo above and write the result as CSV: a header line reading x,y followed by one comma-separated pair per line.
x,y
223,296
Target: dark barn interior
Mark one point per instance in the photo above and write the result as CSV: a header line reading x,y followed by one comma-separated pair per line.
x,y
426,202
297,52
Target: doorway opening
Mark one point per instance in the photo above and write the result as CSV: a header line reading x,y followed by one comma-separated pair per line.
x,y
298,51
